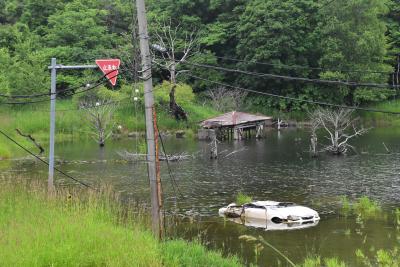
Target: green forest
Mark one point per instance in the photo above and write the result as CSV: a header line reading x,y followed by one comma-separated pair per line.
x,y
355,41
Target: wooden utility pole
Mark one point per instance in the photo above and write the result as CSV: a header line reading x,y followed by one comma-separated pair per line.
x,y
152,169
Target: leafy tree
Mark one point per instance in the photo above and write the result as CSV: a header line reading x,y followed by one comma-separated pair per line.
x,y
353,38
5,60
332,35
393,24
78,33
10,11
35,13
29,75
278,32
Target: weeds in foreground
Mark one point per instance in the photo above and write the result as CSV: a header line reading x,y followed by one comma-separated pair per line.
x,y
397,214
364,207
258,248
85,228
316,261
383,258
346,207
242,199
367,208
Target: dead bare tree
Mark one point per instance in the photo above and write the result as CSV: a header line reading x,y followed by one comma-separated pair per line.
x,y
175,48
340,125
314,139
214,148
99,115
223,99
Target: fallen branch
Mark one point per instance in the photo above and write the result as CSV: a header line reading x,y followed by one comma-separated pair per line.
x,y
235,151
30,137
387,150
178,157
132,157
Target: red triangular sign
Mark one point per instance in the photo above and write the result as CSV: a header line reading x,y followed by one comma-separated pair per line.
x,y
110,68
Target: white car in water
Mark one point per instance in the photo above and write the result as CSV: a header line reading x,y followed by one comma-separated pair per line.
x,y
272,215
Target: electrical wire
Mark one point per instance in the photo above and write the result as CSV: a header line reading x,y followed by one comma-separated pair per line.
x,y
45,162
280,65
99,83
291,78
293,98
56,93
174,184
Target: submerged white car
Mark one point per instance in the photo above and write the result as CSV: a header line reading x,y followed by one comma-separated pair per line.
x,y
272,215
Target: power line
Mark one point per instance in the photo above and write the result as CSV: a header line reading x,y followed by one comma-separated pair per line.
x,y
45,162
286,77
306,15
89,107
174,184
300,67
50,94
292,98
99,83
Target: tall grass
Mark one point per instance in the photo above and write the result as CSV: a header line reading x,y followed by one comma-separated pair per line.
x,y
242,199
70,125
363,207
317,262
381,119
85,228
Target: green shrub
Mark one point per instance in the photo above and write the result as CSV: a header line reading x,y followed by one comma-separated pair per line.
x,y
183,93
100,94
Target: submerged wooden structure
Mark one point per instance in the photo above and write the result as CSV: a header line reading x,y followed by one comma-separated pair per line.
x,y
237,125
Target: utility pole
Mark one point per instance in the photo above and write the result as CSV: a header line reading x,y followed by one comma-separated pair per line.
x,y
152,159
109,74
53,96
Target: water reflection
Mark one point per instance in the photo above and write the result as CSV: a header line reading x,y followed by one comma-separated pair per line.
x,y
277,168
271,226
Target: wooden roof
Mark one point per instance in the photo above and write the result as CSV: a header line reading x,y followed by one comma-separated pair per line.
x,y
233,118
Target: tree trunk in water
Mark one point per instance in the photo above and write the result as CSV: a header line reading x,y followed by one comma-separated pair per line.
x,y
175,109
314,143
214,148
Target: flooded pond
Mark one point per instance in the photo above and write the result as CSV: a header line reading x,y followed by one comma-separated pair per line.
x,y
276,168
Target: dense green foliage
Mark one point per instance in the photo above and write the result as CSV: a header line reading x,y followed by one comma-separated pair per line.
x,y
85,229
327,38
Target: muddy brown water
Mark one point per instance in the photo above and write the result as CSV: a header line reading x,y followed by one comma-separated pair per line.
x,y
275,168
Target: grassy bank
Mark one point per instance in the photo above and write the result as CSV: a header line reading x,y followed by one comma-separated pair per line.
x,y
71,123
84,228
381,119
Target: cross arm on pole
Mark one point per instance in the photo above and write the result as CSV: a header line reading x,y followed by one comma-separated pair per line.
x,y
59,66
